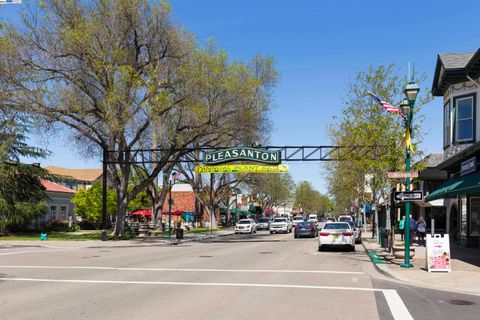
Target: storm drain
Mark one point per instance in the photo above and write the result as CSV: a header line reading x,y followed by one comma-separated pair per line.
x,y
457,302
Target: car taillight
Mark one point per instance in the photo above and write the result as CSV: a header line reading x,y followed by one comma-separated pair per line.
x,y
348,234
324,234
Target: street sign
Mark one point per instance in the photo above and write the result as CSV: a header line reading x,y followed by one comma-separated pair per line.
x,y
403,175
242,154
408,195
468,166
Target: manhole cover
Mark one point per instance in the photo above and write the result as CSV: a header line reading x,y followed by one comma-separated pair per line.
x,y
205,256
265,252
457,302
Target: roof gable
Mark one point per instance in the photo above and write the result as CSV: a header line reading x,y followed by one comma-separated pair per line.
x,y
453,68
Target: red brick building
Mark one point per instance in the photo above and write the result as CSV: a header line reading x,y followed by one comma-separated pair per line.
x,y
183,198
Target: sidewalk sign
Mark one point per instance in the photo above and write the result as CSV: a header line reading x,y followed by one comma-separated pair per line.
x,y
438,253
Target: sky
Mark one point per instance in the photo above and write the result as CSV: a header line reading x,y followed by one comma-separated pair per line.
x,y
318,47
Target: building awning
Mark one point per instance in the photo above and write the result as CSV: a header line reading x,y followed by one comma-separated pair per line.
x,y
464,185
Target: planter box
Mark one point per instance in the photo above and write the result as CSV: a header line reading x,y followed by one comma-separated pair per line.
x,y
399,252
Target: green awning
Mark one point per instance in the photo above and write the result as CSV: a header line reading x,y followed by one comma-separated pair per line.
x,y
239,212
464,185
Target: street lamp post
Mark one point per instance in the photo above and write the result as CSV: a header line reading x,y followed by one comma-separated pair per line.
x,y
411,91
170,210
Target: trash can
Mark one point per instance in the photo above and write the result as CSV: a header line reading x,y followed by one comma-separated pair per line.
x,y
179,233
381,237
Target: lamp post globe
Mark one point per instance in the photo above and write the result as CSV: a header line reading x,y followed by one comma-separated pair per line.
x,y
411,91
405,107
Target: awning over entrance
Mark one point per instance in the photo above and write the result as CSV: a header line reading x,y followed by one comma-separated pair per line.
x,y
464,185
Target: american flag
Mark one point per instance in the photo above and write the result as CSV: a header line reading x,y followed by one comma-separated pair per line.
x,y
389,107
176,175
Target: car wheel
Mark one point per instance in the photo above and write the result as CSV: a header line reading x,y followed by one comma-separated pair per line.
x,y
271,232
320,248
295,235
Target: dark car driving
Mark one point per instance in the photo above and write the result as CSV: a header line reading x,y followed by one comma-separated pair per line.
x,y
306,229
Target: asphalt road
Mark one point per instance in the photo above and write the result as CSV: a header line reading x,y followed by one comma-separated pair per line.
x,y
258,276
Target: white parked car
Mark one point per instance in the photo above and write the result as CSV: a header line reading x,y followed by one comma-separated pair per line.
x,y
246,226
345,218
283,225
313,217
263,223
336,234
296,220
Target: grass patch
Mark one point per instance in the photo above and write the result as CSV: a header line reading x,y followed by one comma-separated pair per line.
x,y
66,236
199,230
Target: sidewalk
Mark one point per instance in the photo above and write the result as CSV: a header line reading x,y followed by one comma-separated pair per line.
x,y
464,277
146,241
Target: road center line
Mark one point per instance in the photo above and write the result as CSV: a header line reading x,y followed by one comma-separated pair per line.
x,y
34,251
182,270
396,305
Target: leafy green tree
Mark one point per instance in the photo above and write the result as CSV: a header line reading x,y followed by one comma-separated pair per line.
x,y
310,200
272,189
120,76
22,196
88,203
363,122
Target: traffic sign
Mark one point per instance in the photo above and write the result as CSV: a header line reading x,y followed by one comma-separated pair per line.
x,y
404,175
408,195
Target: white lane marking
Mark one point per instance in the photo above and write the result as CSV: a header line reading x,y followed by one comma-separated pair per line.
x,y
208,284
396,305
33,251
182,270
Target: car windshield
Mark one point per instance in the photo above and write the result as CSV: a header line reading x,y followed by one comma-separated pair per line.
x,y
263,220
352,224
336,226
280,220
344,219
244,222
304,224
297,218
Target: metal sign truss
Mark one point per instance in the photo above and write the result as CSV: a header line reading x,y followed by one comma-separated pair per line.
x,y
288,153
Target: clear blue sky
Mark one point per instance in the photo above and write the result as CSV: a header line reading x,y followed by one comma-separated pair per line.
x,y
318,47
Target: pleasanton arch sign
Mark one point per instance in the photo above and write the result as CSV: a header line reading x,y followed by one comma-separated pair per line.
x,y
242,154
215,161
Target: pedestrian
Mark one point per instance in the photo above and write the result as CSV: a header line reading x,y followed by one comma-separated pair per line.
x,y
413,228
421,229
401,227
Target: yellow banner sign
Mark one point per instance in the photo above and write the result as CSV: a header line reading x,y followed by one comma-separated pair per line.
x,y
242,168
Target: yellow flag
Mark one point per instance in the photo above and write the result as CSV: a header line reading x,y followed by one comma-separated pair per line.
x,y
408,139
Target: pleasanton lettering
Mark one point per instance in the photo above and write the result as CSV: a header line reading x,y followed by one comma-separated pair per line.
x,y
242,154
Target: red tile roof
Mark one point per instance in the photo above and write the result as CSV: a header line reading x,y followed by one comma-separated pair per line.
x,y
55,187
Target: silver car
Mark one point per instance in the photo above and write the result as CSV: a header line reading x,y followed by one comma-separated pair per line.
x,y
263,224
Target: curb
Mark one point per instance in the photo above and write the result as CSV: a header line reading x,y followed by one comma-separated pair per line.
x,y
175,242
377,267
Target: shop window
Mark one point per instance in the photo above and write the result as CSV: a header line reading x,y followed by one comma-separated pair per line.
x,y
447,125
464,118
53,213
475,216
63,213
